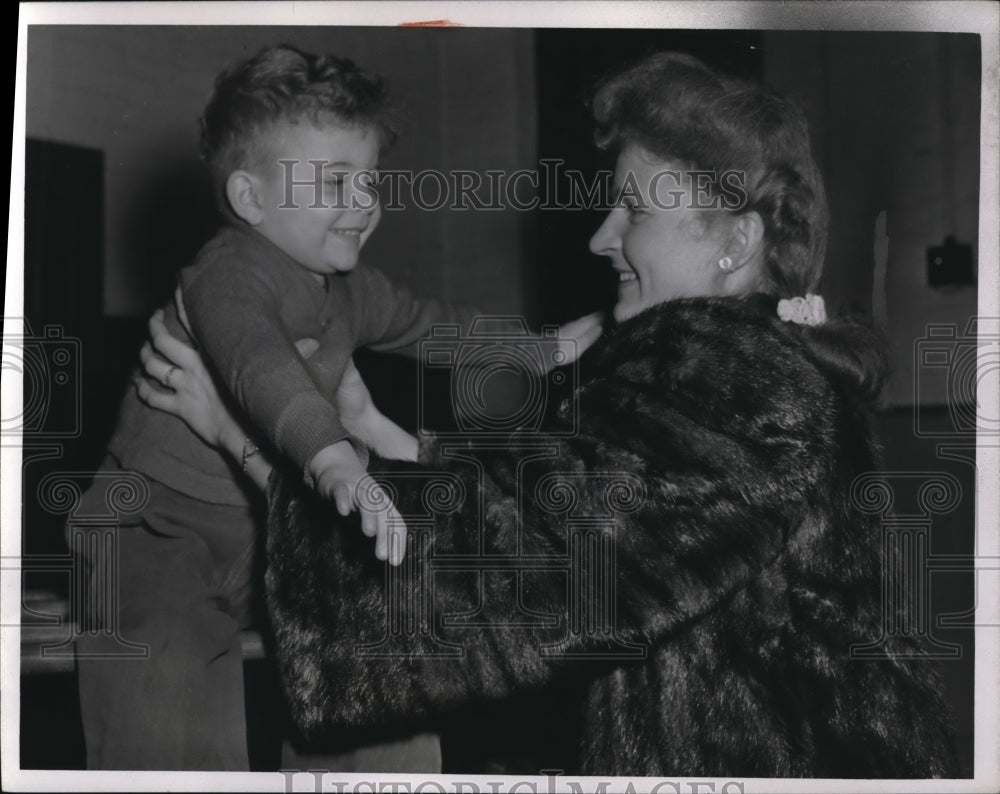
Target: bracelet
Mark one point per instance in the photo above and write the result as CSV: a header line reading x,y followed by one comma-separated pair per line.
x,y
249,450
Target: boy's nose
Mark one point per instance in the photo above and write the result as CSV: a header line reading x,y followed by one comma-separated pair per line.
x,y
365,199
374,214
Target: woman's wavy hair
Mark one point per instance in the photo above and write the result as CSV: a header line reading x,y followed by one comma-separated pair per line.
x,y
282,85
676,108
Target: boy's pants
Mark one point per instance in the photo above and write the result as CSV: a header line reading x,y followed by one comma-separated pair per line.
x,y
183,587
184,583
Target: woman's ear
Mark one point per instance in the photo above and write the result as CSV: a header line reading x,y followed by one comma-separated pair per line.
x,y
746,239
243,194
743,254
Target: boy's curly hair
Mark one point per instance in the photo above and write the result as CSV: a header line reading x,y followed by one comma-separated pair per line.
x,y
284,85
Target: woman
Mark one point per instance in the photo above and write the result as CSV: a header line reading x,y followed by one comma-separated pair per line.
x,y
712,447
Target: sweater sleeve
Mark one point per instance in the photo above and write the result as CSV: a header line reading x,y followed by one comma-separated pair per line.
x,y
663,511
235,311
394,320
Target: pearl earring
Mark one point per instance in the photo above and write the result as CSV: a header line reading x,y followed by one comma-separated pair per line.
x,y
726,263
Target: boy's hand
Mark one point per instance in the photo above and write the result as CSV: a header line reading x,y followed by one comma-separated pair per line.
x,y
337,473
574,338
353,400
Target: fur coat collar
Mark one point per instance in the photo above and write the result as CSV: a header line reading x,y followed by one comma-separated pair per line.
x,y
680,537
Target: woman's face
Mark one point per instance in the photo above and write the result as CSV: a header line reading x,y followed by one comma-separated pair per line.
x,y
658,239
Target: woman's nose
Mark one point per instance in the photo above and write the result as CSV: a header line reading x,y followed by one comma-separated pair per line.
x,y
606,238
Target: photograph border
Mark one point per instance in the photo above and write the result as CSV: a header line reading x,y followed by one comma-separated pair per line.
x,y
934,15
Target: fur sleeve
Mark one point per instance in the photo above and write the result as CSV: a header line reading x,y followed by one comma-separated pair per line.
x,y
702,433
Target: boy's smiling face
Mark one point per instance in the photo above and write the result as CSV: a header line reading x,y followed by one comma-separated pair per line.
x,y
314,206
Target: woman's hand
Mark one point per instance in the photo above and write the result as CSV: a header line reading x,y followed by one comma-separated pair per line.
x,y
574,339
178,382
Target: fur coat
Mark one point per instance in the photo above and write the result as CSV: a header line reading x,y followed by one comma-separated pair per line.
x,y
681,537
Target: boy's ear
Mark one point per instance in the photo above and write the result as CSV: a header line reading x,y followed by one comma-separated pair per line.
x,y
243,194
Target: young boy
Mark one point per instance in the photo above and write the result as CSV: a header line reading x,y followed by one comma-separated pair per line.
x,y
291,140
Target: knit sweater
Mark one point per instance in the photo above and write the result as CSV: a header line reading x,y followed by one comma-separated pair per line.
x,y
248,303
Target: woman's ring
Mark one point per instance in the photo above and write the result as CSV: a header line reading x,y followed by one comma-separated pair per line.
x,y
166,378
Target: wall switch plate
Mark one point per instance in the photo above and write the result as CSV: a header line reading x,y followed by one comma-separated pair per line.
x,y
950,264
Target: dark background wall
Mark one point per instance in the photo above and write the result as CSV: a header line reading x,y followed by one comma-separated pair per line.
x,y
117,201
895,124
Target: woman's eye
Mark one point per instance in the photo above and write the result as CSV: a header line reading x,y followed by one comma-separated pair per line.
x,y
635,212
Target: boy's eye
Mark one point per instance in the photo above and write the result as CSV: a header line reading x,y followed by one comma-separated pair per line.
x,y
335,178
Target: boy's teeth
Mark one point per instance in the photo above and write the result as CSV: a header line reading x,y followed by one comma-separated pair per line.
x,y
627,276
